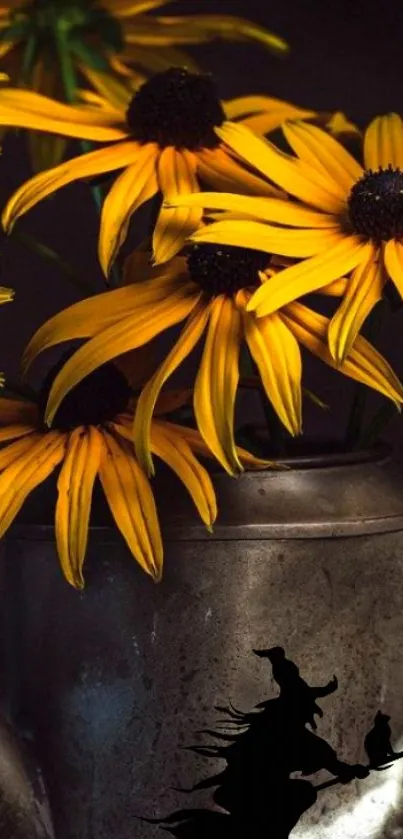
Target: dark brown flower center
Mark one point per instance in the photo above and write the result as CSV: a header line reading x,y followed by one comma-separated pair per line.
x,y
95,400
375,205
176,108
224,269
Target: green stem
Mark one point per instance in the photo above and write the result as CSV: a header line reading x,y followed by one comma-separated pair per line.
x,y
49,255
382,417
28,58
356,417
69,80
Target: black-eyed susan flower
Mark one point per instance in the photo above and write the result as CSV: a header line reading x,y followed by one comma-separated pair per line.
x,y
166,143
90,439
210,290
49,45
347,219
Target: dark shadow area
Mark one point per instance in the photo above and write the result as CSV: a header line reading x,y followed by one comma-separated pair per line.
x,y
261,749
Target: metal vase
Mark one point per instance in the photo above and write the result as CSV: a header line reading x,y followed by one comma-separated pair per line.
x,y
116,683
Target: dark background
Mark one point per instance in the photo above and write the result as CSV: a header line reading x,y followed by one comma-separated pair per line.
x,y
345,55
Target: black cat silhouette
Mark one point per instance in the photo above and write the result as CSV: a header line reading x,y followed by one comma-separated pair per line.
x,y
377,742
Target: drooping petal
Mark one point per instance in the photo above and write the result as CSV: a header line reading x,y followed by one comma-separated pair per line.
x,y
276,354
189,337
127,334
363,291
265,209
75,485
393,258
91,316
294,176
277,109
220,170
325,154
308,276
364,363
188,29
176,175
21,108
171,400
383,142
45,183
129,8
217,381
172,448
132,504
131,189
198,446
26,472
15,431
336,288
115,95
286,241
18,411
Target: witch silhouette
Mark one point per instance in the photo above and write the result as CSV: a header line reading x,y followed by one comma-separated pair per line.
x,y
262,748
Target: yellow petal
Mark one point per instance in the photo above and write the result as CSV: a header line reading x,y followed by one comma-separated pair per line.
x,y
26,109
220,170
217,381
173,449
27,472
197,445
14,431
127,334
276,354
132,505
6,295
264,209
339,124
96,314
363,291
198,28
128,8
309,276
246,105
292,175
190,335
85,166
393,258
279,240
131,189
11,453
383,142
364,363
75,485
171,400
336,288
115,95
325,154
176,175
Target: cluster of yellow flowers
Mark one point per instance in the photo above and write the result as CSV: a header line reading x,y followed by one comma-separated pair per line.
x,y
230,263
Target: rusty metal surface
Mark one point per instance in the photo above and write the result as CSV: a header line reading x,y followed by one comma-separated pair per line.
x,y
116,680
343,499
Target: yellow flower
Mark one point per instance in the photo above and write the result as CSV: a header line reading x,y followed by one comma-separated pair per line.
x,y
47,45
210,290
90,438
346,219
164,140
